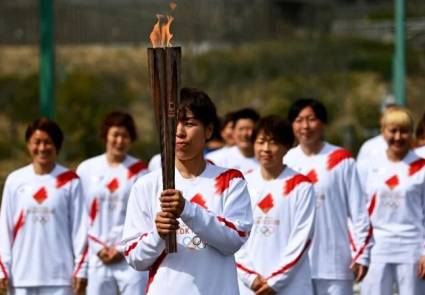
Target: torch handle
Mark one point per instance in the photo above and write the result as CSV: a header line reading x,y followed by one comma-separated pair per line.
x,y
164,70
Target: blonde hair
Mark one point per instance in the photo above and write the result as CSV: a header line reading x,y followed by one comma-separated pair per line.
x,y
399,116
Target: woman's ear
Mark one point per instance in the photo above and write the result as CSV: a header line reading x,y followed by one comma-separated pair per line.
x,y
208,132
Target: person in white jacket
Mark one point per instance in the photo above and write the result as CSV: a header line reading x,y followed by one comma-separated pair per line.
x,y
241,155
339,198
107,180
209,210
43,221
274,260
395,183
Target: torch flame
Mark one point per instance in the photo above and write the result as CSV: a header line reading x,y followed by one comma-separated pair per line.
x,y
160,35
155,35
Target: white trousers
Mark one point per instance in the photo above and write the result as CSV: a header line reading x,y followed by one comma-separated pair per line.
x,y
332,287
381,278
61,290
116,279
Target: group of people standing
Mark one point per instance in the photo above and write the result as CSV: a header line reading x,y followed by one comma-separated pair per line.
x,y
277,210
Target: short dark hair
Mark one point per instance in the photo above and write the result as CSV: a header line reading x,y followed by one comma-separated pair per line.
x,y
199,104
50,127
228,118
118,119
420,128
246,113
301,103
277,128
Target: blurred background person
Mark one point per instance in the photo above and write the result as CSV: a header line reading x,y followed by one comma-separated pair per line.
x,y
339,197
107,180
240,156
420,137
274,260
215,143
43,221
395,183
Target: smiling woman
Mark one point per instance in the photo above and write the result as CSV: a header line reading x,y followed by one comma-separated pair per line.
x,y
107,180
43,198
395,183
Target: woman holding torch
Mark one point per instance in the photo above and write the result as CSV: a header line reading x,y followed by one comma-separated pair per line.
x,y
209,211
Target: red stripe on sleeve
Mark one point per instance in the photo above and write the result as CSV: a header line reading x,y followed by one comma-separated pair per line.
x,y
136,168
94,208
96,240
337,157
80,263
153,270
247,270
366,242
416,166
222,181
65,177
231,225
18,225
134,245
291,264
293,182
350,238
3,270
372,205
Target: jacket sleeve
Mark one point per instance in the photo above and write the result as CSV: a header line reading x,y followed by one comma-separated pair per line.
x,y
245,268
357,209
141,243
6,229
300,238
230,230
95,244
79,227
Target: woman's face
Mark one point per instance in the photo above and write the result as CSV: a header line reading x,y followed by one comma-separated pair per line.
x,y
118,141
399,138
268,151
307,127
41,148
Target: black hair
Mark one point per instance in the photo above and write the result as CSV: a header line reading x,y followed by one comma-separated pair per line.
x,y
118,119
301,103
228,118
199,104
275,127
50,127
246,113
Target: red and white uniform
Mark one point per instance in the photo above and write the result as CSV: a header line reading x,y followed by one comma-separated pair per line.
x,y
43,229
282,232
371,148
397,212
420,151
155,162
106,189
231,157
214,224
339,197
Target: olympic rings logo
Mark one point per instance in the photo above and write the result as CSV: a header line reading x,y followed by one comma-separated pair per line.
x,y
194,242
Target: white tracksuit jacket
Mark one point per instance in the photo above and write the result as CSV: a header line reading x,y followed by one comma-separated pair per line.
x,y
106,190
283,228
397,208
43,228
339,197
214,224
231,157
